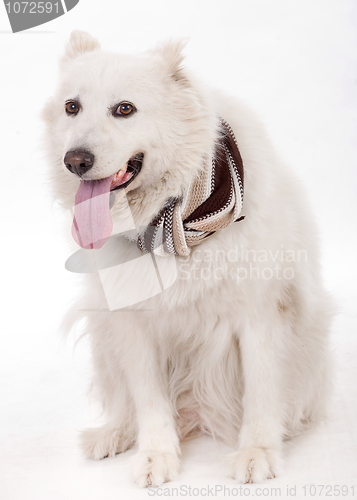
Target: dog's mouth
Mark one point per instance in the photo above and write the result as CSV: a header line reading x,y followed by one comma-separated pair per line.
x,y
92,223
128,173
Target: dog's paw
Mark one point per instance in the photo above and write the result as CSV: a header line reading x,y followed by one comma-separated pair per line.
x,y
253,465
105,442
153,468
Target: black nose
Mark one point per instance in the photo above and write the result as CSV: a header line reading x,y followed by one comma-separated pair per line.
x,y
79,161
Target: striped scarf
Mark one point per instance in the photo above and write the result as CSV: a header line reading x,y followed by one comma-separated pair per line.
x,y
213,201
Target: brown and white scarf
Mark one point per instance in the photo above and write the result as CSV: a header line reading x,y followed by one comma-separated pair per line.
x,y
213,201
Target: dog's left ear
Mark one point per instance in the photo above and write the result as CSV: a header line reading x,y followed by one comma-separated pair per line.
x,y
79,43
171,53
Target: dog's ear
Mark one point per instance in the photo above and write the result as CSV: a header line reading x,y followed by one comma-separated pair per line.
x,y
171,53
79,43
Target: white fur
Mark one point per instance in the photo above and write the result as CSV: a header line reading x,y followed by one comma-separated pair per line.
x,y
247,362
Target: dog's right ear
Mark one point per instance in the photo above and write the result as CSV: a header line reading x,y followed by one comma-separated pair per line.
x,y
79,43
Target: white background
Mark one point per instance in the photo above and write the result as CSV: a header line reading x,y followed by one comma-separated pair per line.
x,y
292,61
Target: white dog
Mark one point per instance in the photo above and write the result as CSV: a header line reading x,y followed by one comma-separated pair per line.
x,y
236,344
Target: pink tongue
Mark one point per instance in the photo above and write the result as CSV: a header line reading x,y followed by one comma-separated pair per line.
x,y
92,223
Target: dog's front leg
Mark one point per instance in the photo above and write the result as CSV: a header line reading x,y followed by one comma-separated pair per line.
x,y
260,440
158,445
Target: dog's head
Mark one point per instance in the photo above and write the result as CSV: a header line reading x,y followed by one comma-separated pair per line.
x,y
140,122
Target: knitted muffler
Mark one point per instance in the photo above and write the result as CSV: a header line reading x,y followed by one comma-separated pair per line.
x,y
212,202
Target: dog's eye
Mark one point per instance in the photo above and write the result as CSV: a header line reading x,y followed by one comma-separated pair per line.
x,y
72,107
124,109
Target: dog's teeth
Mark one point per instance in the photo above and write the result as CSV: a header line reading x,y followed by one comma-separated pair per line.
x,y
121,172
